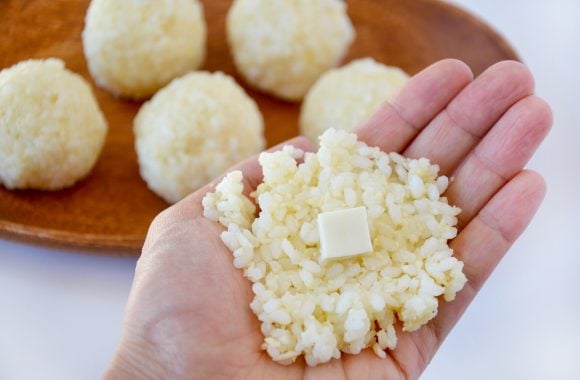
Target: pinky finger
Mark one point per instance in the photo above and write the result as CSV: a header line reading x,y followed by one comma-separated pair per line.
x,y
486,239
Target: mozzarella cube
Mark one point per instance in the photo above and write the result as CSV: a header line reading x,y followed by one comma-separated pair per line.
x,y
344,233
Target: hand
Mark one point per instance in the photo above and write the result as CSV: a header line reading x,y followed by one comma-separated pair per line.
x,y
188,313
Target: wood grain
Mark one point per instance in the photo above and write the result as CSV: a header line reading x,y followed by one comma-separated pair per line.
x,y
111,209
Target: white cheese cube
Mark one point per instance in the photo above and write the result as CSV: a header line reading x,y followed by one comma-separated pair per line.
x,y
344,233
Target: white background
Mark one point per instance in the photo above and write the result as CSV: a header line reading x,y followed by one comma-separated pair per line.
x,y
61,312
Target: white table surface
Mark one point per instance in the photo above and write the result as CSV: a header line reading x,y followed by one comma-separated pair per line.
x,y
61,312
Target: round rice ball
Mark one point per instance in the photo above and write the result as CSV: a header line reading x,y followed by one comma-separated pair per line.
x,y
51,127
282,47
135,47
343,98
193,130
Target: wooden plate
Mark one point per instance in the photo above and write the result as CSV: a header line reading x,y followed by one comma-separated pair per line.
x,y
112,208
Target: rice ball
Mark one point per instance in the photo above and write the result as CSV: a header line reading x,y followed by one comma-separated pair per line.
x,y
343,98
51,127
282,47
194,129
135,47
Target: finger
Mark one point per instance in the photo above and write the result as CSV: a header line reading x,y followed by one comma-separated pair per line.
x,y
397,122
501,154
468,117
480,246
483,243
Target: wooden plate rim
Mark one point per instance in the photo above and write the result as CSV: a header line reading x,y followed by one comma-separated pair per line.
x,y
481,24
130,245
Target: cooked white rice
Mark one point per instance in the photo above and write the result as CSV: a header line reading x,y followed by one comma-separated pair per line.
x,y
51,127
282,47
344,97
135,47
322,309
193,130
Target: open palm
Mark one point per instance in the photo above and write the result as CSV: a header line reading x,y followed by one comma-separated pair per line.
x,y
188,313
